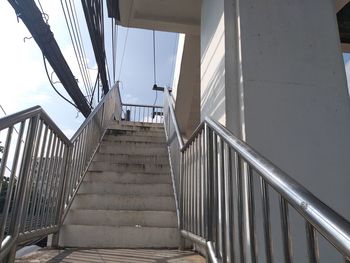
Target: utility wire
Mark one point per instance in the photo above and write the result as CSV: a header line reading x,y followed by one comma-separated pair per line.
x,y
154,58
53,86
79,31
154,66
123,54
126,39
77,45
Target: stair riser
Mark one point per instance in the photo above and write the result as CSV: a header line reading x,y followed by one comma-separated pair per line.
x,y
117,202
126,143
132,159
135,132
122,218
162,151
112,177
135,138
126,189
122,167
137,128
124,237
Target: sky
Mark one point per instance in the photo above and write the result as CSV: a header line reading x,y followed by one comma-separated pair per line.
x,y
24,82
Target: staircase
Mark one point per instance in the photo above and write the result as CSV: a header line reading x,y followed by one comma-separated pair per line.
x,y
126,199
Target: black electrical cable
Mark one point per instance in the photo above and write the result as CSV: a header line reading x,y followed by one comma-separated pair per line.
x,y
53,86
154,66
93,92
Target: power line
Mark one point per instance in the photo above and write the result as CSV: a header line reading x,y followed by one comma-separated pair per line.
x,y
126,39
123,54
53,86
77,43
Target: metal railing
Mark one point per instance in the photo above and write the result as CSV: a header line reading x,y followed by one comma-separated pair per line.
x,y
142,113
216,173
41,169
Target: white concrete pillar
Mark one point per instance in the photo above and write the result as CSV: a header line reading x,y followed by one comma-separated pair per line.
x,y
286,95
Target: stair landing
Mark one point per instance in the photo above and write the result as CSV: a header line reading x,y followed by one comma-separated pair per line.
x,y
111,255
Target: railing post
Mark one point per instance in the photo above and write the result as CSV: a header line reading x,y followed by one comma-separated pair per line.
x,y
248,214
22,192
62,196
181,226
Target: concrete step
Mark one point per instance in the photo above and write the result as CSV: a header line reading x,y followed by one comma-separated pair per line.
x,y
131,132
126,189
118,237
130,149
126,167
127,143
136,125
123,202
132,158
132,178
121,218
134,138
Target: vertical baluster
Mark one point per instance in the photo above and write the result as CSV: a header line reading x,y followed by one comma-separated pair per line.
x,y
50,160
266,220
188,190
195,188
38,182
210,176
143,114
248,214
44,179
52,180
191,190
56,178
21,191
203,183
199,185
5,154
3,167
228,204
312,244
286,235
33,185
31,175
207,153
239,205
215,209
11,184
134,120
220,197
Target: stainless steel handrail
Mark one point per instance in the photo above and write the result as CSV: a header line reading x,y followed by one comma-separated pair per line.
x,y
334,227
20,116
142,113
46,170
208,157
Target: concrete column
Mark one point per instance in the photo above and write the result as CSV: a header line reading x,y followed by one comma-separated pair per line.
x,y
286,95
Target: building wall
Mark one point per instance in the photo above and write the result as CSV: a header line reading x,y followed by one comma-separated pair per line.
x,y
288,99
213,60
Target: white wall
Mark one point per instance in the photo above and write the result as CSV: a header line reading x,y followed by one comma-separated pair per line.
x,y
213,60
290,95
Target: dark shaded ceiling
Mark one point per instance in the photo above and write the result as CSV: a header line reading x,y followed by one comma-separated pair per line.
x,y
343,17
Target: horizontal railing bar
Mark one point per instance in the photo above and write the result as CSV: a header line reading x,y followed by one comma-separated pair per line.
x,y
92,114
26,236
334,227
18,117
193,237
173,117
142,106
